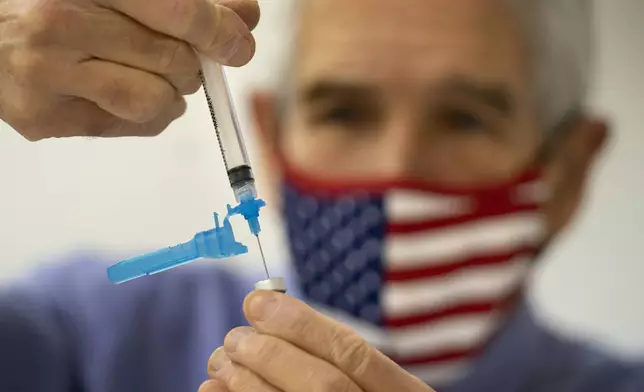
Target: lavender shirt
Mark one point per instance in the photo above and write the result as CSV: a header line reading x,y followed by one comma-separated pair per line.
x,y
67,329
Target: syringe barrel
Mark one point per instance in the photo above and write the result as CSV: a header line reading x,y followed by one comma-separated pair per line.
x,y
231,140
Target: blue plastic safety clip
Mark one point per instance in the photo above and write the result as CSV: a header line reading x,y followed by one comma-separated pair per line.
x,y
217,243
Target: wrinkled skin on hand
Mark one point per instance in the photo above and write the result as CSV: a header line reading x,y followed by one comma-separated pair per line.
x,y
112,67
293,348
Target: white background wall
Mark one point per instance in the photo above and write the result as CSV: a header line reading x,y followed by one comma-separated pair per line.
x,y
122,196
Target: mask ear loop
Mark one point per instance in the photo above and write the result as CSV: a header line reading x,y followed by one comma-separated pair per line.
x,y
557,134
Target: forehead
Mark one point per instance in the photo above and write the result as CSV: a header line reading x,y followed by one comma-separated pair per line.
x,y
407,42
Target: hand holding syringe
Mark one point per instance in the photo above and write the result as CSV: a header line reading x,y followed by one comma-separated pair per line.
x,y
140,62
219,242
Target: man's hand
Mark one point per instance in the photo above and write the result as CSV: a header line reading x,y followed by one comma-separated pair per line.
x,y
112,67
292,348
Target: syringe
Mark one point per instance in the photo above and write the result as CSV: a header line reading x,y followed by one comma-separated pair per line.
x,y
231,142
226,123
219,242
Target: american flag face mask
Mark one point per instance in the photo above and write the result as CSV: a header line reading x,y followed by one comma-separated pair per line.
x,y
426,274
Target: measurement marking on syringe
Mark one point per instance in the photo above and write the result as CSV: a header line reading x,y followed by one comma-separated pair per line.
x,y
214,119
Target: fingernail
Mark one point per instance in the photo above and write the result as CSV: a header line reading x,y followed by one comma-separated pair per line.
x,y
262,305
234,337
219,359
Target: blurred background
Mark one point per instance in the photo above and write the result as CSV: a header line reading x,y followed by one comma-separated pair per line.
x,y
121,197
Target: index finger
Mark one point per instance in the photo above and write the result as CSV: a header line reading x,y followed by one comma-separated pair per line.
x,y
248,10
292,320
213,29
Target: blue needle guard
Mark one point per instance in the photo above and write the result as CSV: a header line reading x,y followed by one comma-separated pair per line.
x,y
217,243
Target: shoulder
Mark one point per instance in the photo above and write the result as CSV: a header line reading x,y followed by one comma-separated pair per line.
x,y
530,356
32,338
69,318
572,364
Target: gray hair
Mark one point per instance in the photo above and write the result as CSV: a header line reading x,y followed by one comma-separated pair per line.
x,y
561,38
561,35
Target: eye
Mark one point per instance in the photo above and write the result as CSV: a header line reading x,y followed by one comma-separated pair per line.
x,y
344,115
462,120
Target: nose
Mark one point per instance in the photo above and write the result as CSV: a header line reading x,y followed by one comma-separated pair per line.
x,y
401,148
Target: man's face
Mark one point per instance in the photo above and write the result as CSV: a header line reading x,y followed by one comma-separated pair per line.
x,y
439,90
435,89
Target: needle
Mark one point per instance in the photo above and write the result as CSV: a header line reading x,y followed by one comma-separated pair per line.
x,y
261,250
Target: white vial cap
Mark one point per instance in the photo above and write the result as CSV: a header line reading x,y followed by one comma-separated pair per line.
x,y
273,284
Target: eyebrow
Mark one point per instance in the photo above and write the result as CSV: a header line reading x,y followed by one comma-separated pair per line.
x,y
325,90
494,96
